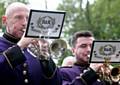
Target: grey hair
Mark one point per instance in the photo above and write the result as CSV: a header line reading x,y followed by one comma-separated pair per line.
x,y
14,6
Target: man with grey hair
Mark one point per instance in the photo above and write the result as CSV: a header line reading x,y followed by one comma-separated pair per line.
x,y
17,65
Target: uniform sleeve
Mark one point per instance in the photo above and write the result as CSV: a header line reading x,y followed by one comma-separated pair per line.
x,y
49,67
75,81
14,56
51,72
67,81
87,78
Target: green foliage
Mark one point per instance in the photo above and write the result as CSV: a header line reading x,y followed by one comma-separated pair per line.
x,y
101,17
106,18
2,11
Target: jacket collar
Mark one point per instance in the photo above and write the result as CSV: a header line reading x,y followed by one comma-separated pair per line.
x,y
10,38
81,64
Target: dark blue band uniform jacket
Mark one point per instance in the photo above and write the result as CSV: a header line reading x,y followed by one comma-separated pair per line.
x,y
81,75
19,67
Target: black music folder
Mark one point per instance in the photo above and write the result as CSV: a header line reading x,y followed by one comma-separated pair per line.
x,y
45,24
105,51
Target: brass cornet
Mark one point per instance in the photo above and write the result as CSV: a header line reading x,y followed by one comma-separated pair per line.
x,y
40,49
110,74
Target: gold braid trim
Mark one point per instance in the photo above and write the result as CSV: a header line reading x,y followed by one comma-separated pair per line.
x,y
7,60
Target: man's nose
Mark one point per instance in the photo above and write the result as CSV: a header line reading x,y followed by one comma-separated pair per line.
x,y
89,48
25,21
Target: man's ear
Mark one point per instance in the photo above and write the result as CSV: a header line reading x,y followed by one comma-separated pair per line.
x,y
4,20
72,49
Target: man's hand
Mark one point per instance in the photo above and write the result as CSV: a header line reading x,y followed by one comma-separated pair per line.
x,y
96,66
25,41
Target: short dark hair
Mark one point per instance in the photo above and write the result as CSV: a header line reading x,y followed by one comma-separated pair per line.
x,y
80,34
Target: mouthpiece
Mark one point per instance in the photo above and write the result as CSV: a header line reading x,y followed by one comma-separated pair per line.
x,y
88,56
24,30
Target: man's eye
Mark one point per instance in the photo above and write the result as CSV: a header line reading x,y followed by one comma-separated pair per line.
x,y
18,17
83,46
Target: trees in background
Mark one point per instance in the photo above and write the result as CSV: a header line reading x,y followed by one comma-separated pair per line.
x,y
101,17
2,11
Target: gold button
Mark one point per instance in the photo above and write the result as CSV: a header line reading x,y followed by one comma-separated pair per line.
x,y
25,65
26,80
24,72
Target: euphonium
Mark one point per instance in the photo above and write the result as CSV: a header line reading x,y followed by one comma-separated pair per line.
x,y
54,49
57,47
